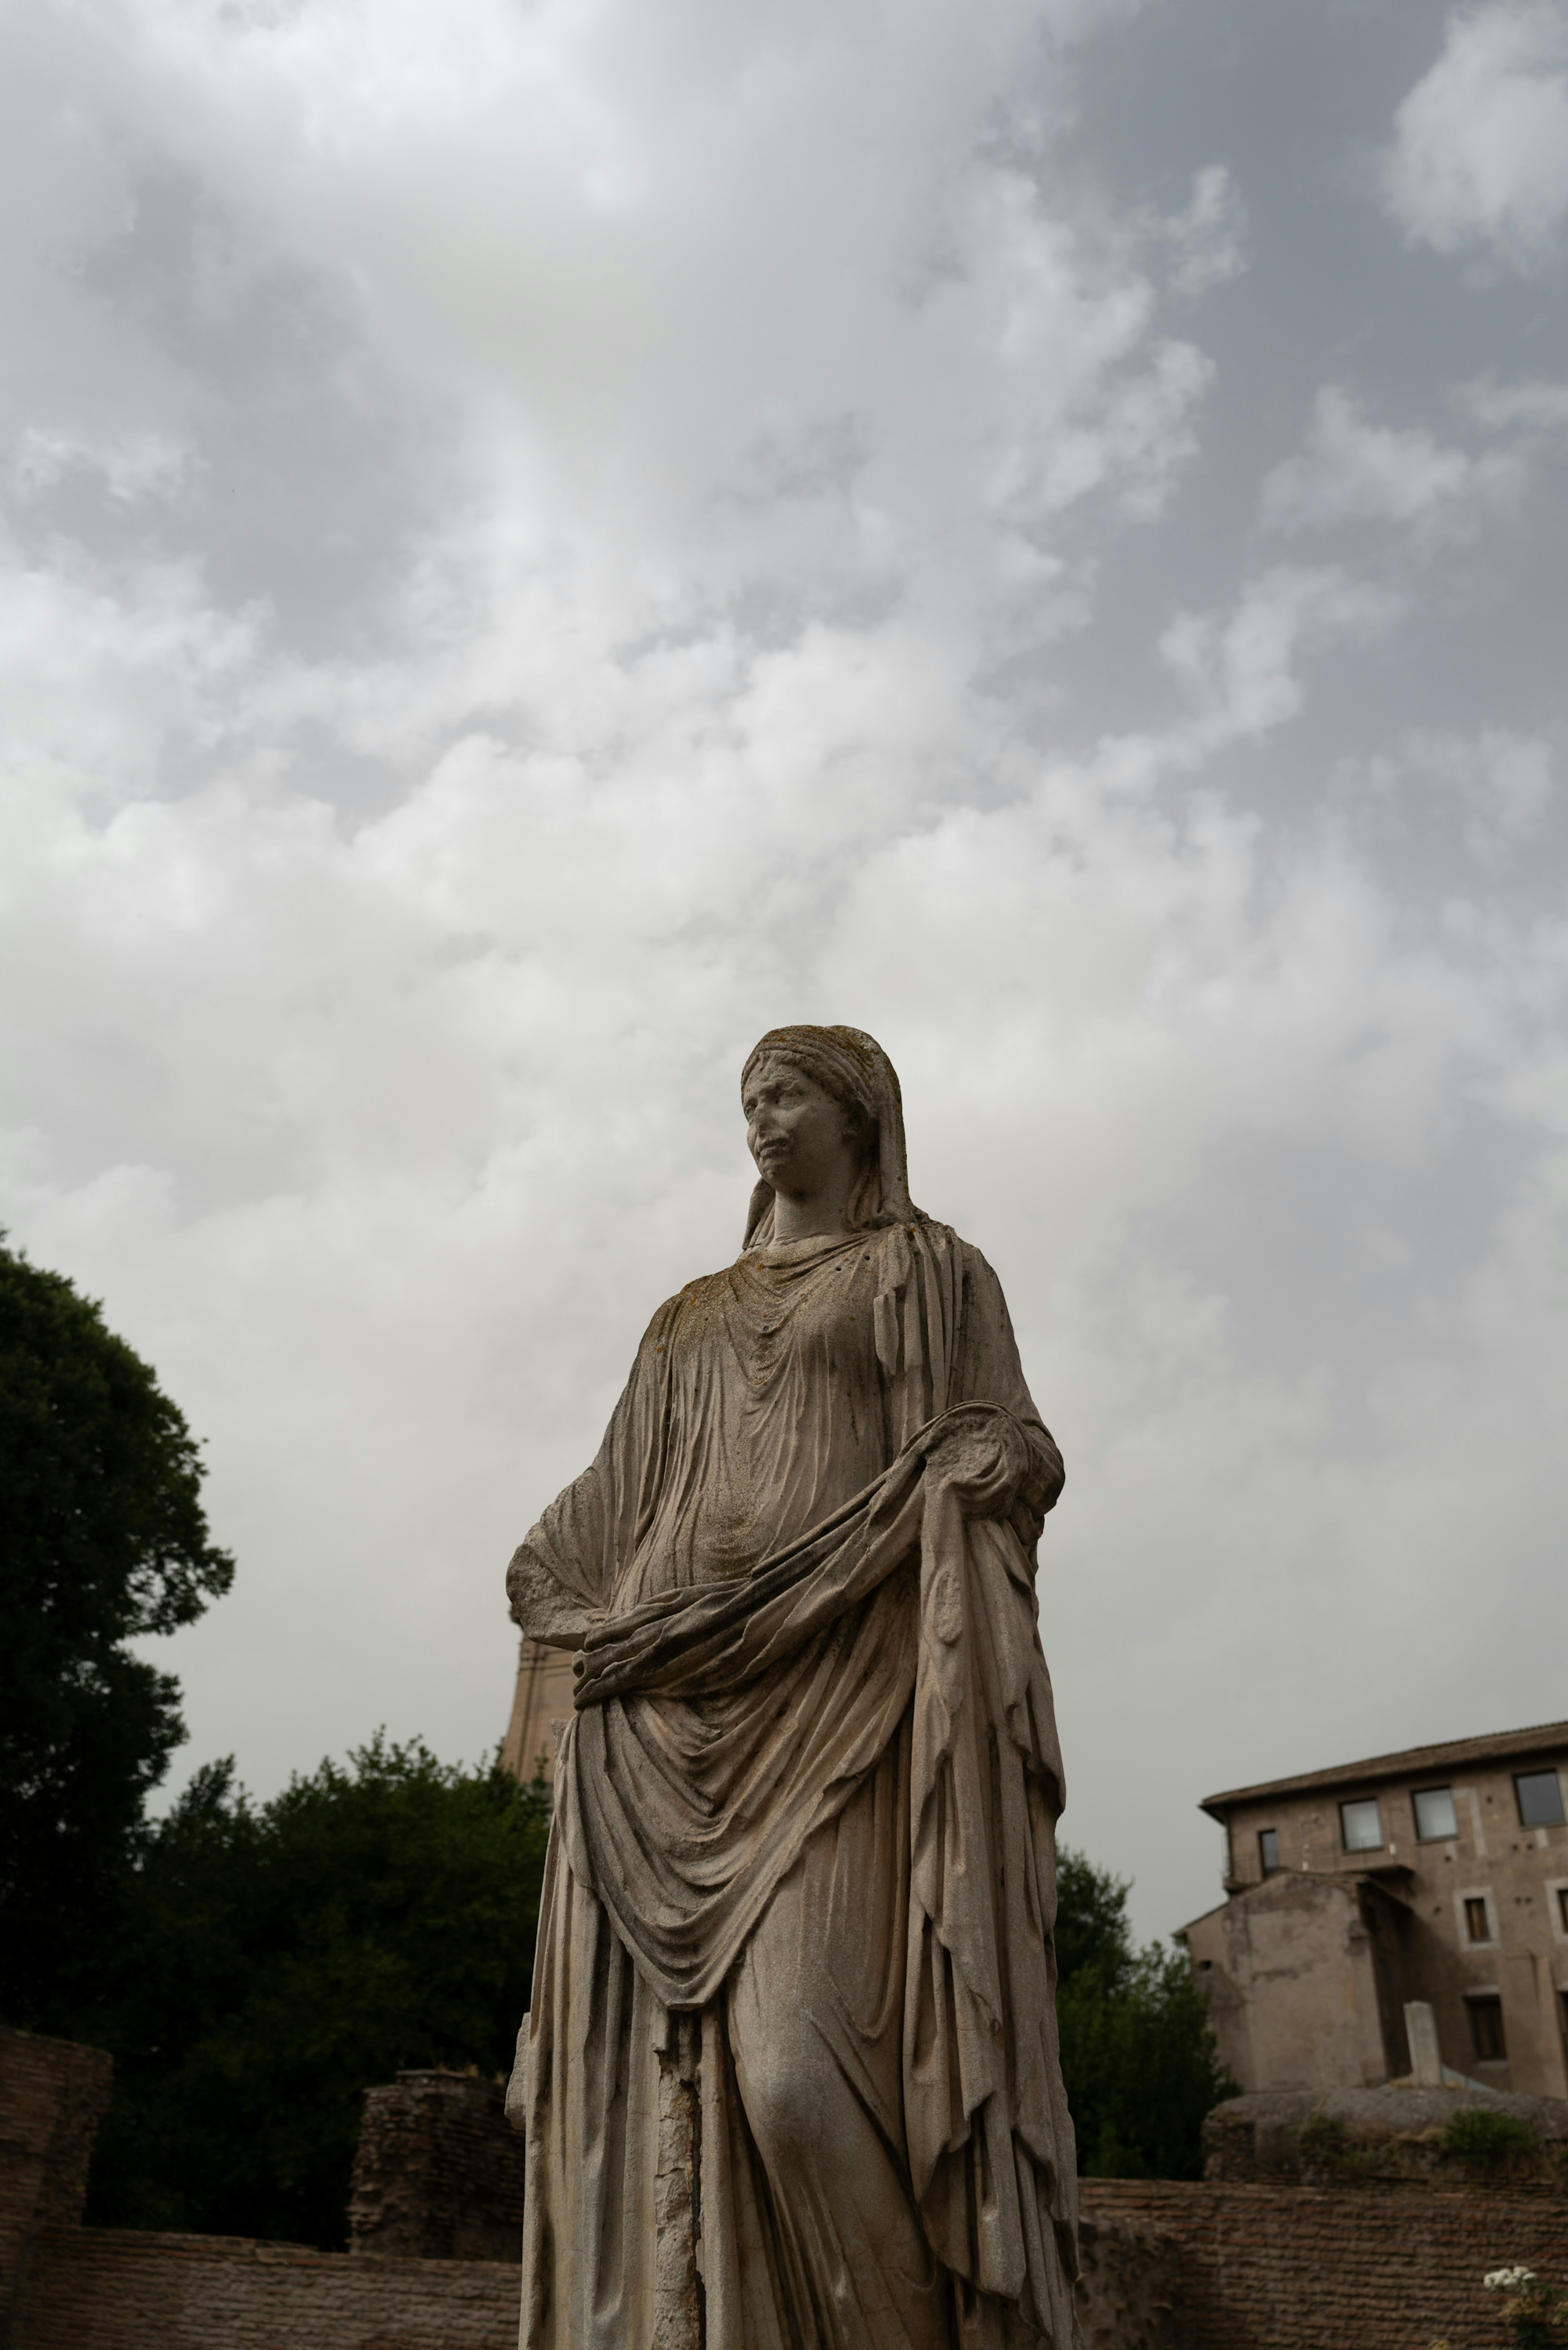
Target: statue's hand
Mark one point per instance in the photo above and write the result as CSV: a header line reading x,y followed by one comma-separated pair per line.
x,y
980,1451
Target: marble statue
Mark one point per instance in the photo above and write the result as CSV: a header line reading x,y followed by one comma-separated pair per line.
x,y
790,2077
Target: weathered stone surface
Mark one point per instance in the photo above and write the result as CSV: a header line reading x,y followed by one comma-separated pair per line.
x,y
791,2070
438,2174
677,2199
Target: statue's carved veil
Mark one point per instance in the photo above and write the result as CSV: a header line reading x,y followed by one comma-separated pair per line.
x,y
852,1066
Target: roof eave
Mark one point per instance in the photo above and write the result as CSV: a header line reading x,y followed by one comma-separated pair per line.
x,y
1498,1746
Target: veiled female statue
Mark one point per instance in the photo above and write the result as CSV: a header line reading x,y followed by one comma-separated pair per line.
x,y
790,2077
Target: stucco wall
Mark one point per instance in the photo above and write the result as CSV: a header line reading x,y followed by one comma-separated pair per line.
x,y
1290,1973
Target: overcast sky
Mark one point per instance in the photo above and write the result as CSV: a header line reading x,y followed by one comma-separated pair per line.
x,y
541,540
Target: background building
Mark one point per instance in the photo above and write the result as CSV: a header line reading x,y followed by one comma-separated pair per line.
x,y
540,1702
1439,1873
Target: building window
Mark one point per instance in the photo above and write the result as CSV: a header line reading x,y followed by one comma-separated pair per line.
x,y
1435,1820
1361,1826
1486,2030
1476,1925
1563,1906
1540,1799
1269,1849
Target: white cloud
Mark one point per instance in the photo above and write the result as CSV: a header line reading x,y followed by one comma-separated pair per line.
x,y
656,258
1531,407
1479,154
1239,671
1209,240
134,466
1504,782
1351,471
1507,780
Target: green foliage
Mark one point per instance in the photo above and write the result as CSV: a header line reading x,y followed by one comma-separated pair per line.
x,y
1481,2135
1323,2136
1326,2144
102,1539
274,1961
1138,2055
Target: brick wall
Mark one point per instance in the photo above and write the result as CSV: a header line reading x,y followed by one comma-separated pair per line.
x,y
1129,2295
1303,2268
118,2289
1169,2268
1254,2268
439,2172
53,2096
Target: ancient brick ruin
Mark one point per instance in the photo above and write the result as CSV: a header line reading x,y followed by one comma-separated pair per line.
x,y
439,2173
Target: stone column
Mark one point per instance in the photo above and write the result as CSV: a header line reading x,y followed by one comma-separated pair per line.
x,y
1421,2030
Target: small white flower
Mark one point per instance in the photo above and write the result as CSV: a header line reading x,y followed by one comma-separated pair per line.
x,y
1508,2279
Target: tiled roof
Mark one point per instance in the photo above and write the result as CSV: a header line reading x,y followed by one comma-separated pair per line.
x,y
1413,1761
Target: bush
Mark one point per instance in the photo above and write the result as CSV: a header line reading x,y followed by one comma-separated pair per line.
x,y
1326,2144
272,1962
1481,2135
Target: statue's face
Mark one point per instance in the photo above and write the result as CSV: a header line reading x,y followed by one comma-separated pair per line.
x,y
795,1131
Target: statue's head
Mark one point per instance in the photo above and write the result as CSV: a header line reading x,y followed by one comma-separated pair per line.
x,y
813,1092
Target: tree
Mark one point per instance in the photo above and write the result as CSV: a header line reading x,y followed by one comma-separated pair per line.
x,y
1138,2055
102,1540
273,1961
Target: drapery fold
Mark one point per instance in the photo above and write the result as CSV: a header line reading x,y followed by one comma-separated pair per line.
x,y
722,1728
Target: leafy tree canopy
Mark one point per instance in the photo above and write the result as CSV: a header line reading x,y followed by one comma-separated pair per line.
x,y
102,1538
273,1962
1138,2055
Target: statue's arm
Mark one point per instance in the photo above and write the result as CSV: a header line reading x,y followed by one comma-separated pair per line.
x,y
550,1582
564,1573
988,1370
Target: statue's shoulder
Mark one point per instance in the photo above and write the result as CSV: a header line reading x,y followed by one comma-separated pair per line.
x,y
692,1297
972,1266
928,1235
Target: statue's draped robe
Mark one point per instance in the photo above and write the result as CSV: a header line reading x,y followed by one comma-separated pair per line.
x,y
802,1868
